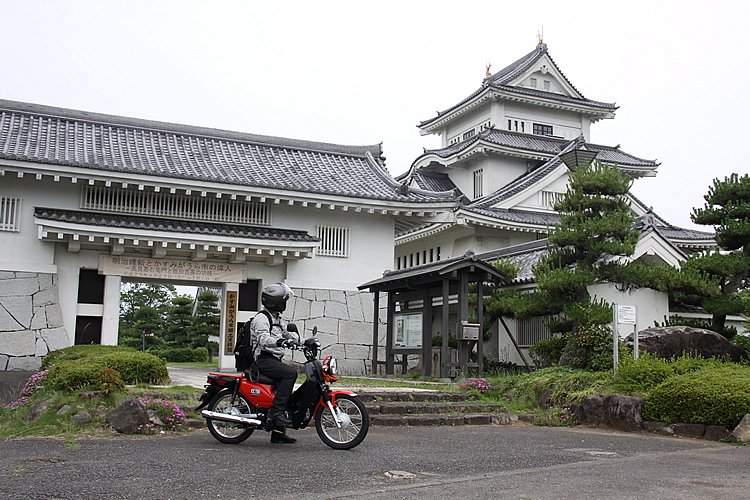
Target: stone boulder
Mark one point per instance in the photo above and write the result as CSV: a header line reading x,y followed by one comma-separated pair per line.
x,y
670,341
742,431
130,416
611,410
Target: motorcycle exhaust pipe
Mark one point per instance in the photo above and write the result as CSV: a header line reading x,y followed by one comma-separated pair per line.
x,y
224,417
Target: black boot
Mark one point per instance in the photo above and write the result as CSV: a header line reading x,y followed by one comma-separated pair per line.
x,y
280,437
279,418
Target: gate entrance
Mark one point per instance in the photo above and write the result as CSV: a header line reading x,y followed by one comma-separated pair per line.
x,y
99,296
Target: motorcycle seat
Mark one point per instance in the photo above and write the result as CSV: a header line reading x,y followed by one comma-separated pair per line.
x,y
258,378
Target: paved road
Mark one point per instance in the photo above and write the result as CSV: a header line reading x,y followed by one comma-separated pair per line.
x,y
447,462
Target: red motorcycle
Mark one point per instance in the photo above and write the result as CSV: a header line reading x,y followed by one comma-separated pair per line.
x,y
237,405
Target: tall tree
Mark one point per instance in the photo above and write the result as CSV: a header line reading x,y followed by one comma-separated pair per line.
x,y
596,230
133,298
206,319
178,322
727,208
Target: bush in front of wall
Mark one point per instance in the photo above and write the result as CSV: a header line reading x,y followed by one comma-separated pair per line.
x,y
546,353
710,396
182,354
79,367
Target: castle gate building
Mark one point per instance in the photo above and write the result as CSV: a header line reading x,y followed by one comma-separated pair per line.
x,y
88,201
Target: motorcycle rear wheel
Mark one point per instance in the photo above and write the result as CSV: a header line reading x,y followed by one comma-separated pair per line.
x,y
228,432
356,423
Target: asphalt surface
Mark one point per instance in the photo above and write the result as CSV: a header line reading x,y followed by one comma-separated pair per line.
x,y
437,462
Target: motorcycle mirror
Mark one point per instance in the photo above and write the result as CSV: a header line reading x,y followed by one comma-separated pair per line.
x,y
291,327
314,331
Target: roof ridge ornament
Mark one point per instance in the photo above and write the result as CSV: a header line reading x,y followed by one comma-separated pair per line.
x,y
487,73
540,40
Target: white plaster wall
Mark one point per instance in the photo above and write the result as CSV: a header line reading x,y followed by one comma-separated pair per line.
x,y
370,250
22,251
566,124
652,305
558,185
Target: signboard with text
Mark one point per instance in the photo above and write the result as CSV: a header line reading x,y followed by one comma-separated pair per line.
x,y
166,269
231,323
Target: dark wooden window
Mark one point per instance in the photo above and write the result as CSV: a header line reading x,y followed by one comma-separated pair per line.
x,y
540,129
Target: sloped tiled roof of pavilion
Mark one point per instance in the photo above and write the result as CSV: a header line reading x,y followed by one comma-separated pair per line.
x,y
540,144
116,144
502,78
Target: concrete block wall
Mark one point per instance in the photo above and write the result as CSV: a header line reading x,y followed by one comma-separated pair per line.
x,y
345,323
31,323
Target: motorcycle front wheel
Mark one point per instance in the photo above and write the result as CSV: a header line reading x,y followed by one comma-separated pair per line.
x,y
228,432
355,422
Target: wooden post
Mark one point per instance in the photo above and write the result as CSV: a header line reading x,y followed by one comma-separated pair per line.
x,y
444,353
389,334
463,315
480,320
426,334
375,323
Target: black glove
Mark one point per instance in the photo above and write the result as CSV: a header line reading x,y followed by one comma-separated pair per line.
x,y
286,343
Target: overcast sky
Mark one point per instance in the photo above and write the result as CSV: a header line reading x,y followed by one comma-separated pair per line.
x,y
353,72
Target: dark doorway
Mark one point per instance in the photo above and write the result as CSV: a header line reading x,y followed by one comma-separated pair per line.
x,y
88,330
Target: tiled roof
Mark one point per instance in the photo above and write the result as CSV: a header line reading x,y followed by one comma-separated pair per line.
x,y
549,219
526,255
434,181
47,135
502,78
171,225
542,144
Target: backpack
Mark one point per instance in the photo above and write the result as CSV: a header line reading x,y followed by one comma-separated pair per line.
x,y
244,350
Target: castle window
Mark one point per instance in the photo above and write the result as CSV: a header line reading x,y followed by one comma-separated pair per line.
x,y
10,213
532,82
468,133
549,198
509,124
540,129
334,241
478,183
546,84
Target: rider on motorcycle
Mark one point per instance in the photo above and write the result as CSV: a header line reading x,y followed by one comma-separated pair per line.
x,y
271,339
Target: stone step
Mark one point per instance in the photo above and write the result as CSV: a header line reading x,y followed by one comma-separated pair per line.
x,y
431,407
375,395
451,419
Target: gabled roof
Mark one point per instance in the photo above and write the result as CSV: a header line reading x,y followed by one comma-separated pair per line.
x,y
432,273
503,82
127,146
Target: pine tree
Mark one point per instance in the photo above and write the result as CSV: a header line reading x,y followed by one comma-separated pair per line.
x,y
596,231
727,208
179,320
206,319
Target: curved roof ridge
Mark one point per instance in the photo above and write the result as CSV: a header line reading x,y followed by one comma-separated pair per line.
x,y
183,129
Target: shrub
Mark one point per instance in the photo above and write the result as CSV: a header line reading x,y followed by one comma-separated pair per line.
x,y
562,385
715,396
546,353
182,354
84,367
589,348
642,374
743,341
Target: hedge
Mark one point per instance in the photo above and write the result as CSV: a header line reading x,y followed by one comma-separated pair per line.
x,y
710,396
89,367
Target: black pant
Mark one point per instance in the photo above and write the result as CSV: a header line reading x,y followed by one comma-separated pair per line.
x,y
284,376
